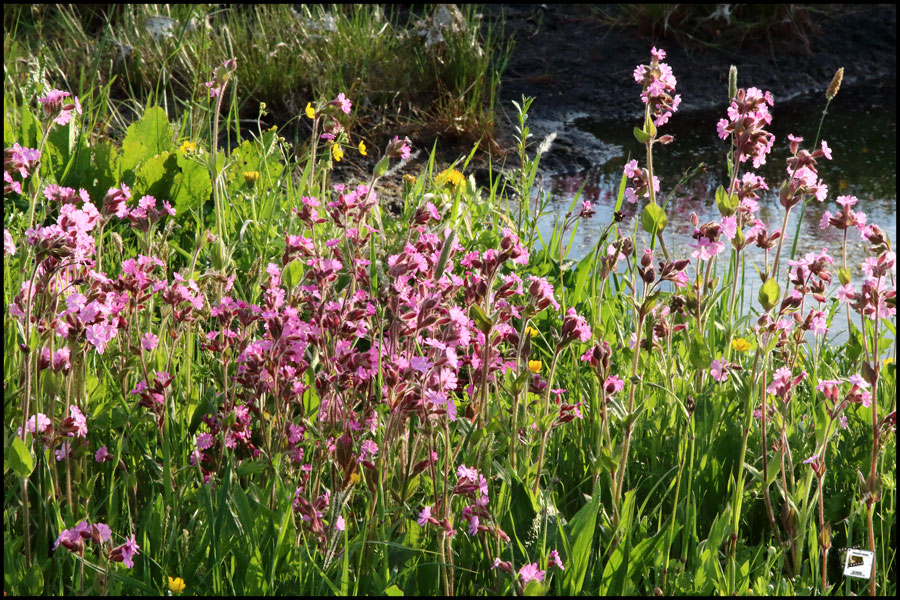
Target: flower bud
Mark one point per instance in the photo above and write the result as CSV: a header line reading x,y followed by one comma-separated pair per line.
x,y
732,82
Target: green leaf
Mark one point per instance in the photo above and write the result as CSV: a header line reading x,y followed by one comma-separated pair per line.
x,y
156,176
844,275
577,540
382,166
146,138
725,202
482,321
650,126
535,588
20,459
191,187
699,356
653,219
393,590
769,294
641,136
292,273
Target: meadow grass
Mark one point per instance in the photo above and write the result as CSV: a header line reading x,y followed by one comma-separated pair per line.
x,y
227,373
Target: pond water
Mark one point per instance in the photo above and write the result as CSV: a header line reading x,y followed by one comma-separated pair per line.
x,y
860,128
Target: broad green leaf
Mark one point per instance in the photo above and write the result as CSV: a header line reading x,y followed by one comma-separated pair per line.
x,y
641,136
578,538
699,355
191,187
654,219
292,274
393,590
382,166
150,136
156,176
482,321
725,202
20,459
769,294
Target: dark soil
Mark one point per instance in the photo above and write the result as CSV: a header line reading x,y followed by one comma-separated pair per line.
x,y
578,60
575,62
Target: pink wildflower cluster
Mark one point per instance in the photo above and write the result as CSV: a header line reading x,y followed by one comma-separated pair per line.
x,y
708,243
846,217
21,161
804,179
747,117
640,182
658,83
56,107
784,383
220,77
74,539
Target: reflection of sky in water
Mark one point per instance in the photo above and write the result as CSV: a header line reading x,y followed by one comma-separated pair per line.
x,y
860,129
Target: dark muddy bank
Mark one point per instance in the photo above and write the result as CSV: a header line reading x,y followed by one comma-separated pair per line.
x,y
576,64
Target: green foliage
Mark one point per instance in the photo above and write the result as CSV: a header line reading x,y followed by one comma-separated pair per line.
x,y
659,484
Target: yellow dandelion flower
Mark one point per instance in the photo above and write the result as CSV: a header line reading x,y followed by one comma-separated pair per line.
x,y
531,331
188,147
362,148
450,177
410,179
535,366
337,152
251,177
740,344
176,585
310,111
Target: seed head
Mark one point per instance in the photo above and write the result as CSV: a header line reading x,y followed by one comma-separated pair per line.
x,y
835,84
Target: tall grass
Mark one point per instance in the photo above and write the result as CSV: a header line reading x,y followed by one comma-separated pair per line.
x,y
282,388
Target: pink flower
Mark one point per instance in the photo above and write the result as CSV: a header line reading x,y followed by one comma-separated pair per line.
x,y
717,370
613,384
101,455
343,103
530,573
9,246
37,424
574,327
126,552
149,341
555,561
705,249
55,106
425,517
340,525
368,449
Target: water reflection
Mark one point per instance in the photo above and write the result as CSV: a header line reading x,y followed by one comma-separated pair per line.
x,y
860,129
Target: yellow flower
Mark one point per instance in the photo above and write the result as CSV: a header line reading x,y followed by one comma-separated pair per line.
x,y
534,366
176,585
410,179
450,177
188,146
310,111
531,331
740,344
362,148
337,152
251,177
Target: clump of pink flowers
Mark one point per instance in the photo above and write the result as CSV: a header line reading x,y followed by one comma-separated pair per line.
x,y
658,83
748,116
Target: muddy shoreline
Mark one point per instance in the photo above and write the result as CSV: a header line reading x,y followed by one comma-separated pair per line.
x,y
576,64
